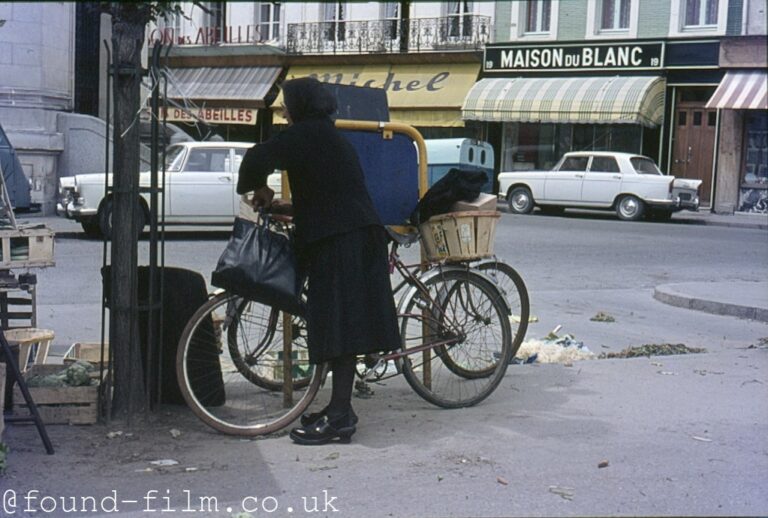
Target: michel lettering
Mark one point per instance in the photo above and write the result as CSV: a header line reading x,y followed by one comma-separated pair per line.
x,y
392,82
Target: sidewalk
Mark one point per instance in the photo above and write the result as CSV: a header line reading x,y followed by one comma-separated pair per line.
x,y
741,299
739,219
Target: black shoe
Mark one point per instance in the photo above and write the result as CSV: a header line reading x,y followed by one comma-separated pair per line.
x,y
323,432
308,419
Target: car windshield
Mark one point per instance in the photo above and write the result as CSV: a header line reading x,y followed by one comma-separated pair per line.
x,y
644,165
174,156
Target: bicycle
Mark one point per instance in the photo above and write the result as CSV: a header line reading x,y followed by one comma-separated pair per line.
x,y
456,332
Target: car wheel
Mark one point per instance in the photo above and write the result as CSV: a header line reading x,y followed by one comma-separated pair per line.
x,y
520,200
630,208
91,227
105,219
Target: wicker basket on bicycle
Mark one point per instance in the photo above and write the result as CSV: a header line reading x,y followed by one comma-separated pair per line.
x,y
459,236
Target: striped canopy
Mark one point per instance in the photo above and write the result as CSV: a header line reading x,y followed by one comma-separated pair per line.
x,y
234,84
741,91
574,100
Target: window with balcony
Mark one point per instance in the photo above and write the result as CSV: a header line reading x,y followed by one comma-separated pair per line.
x,y
390,13
700,13
267,17
538,16
615,15
459,17
334,14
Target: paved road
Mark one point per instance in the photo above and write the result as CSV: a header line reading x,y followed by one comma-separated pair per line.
x,y
574,267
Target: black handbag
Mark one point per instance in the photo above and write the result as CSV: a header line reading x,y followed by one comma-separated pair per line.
x,y
260,264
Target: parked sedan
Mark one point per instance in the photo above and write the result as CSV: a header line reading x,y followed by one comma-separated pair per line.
x,y
200,183
630,184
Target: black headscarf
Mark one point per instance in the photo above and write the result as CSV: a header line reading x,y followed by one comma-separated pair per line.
x,y
307,98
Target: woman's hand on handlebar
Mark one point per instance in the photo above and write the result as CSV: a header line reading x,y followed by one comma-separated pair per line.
x,y
262,198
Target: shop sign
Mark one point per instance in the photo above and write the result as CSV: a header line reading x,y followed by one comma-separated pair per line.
x,y
206,35
212,115
592,56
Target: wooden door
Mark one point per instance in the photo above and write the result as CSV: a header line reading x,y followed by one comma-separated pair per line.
x,y
694,145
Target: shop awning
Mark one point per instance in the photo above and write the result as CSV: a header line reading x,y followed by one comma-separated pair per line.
x,y
240,86
741,91
574,100
419,95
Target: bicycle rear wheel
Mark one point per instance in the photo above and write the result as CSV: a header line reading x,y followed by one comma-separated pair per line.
x,y
465,312
213,386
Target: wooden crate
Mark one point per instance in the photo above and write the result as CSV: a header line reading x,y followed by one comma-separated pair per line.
x,y
459,236
26,247
88,351
59,405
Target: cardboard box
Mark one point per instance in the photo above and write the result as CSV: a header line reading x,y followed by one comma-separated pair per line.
x,y
483,202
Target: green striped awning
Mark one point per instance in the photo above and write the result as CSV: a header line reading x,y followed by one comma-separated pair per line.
x,y
574,100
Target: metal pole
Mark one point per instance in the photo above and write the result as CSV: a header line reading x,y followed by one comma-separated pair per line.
x,y
152,366
105,401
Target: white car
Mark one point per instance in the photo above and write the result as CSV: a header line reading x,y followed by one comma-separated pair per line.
x,y
630,184
200,183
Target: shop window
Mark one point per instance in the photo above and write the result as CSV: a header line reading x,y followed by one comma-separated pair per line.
x,y
696,94
538,15
682,118
753,195
756,150
604,164
615,15
712,119
700,12
697,118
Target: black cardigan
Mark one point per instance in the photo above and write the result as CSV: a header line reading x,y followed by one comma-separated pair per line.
x,y
326,180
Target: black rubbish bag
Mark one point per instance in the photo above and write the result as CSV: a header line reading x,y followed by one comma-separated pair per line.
x,y
260,264
456,185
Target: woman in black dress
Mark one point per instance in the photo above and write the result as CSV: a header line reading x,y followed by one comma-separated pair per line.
x,y
340,243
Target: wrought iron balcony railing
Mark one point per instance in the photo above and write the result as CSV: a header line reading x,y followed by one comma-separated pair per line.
x,y
461,32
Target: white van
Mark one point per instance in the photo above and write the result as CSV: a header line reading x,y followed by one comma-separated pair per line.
x,y
461,153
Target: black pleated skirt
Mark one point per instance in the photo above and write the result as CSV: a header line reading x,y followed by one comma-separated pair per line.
x,y
350,306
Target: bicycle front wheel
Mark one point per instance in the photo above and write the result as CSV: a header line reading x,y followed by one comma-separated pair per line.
x,y
214,387
511,285
464,316
258,350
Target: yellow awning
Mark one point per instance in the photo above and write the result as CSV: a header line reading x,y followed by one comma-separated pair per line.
x,y
419,95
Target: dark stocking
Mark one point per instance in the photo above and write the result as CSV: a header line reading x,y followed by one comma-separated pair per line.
x,y
343,369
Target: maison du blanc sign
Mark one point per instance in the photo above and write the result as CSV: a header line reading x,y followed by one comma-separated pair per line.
x,y
581,56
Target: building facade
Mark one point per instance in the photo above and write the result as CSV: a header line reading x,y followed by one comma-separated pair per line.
x,y
631,75
36,85
536,78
